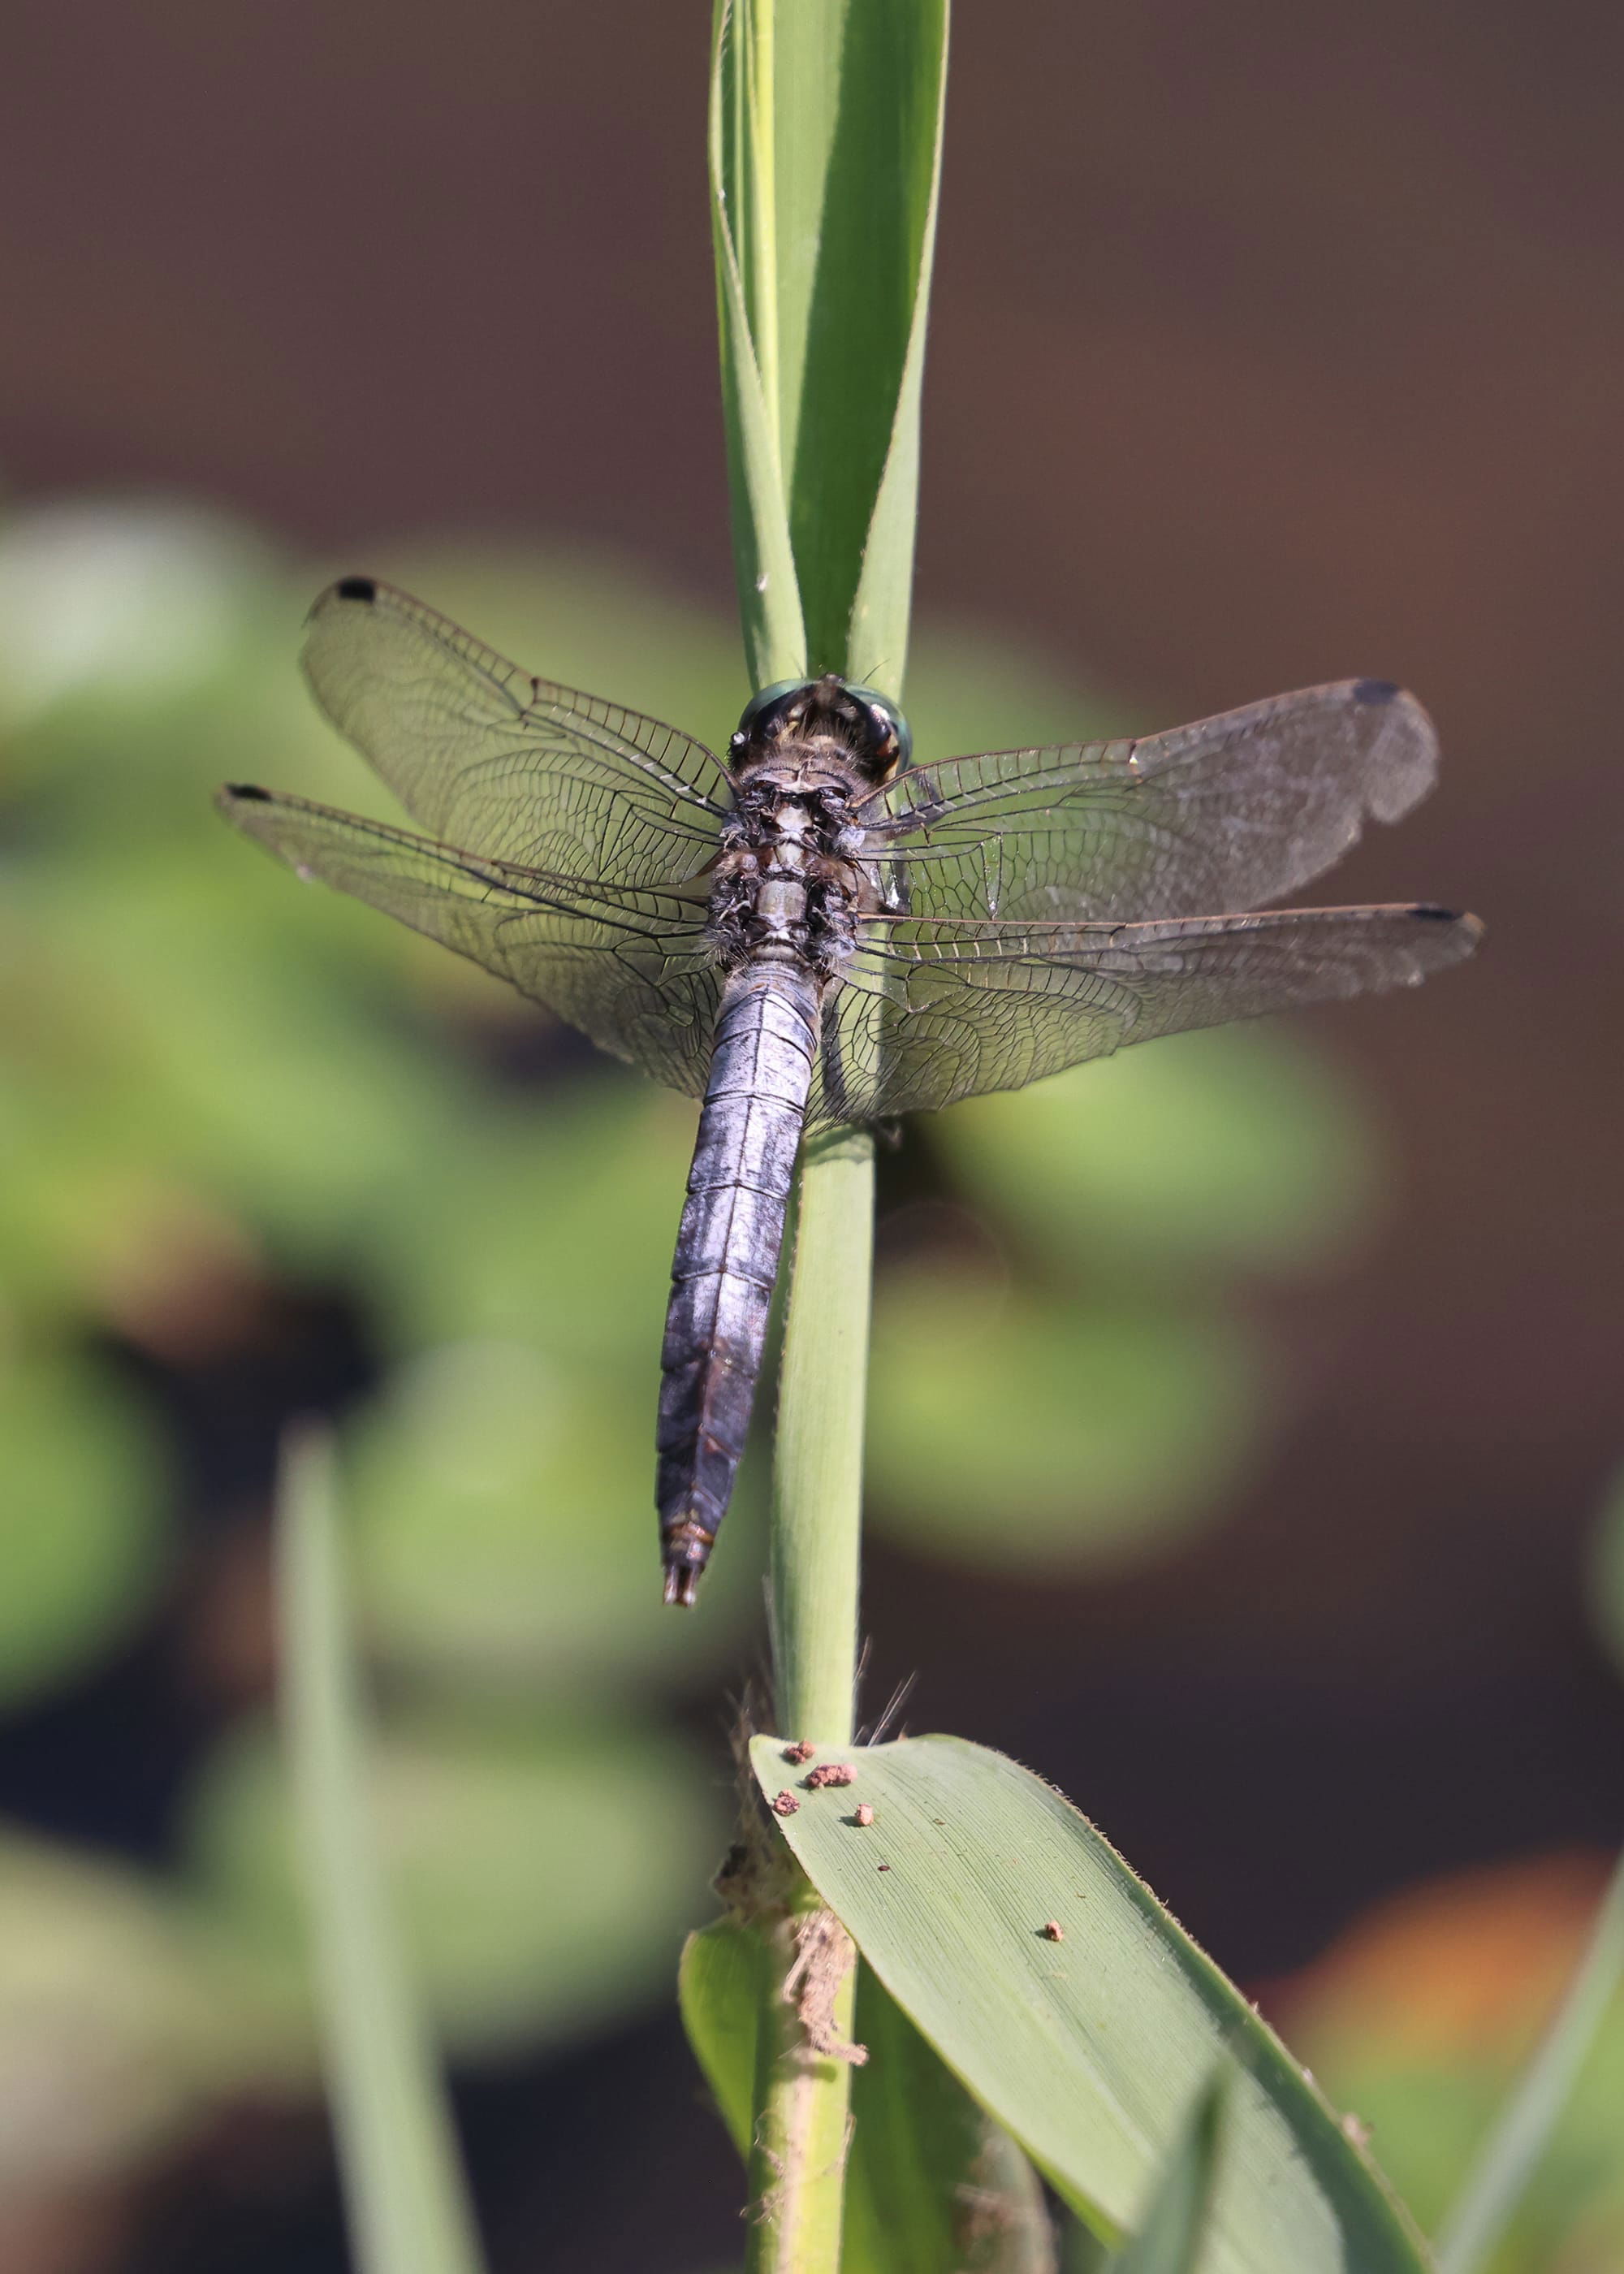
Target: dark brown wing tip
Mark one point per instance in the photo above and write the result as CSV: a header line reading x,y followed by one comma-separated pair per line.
x,y
362,590
1471,927
232,797
1450,937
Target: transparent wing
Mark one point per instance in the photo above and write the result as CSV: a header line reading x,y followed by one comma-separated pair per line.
x,y
483,754
1232,812
933,1011
630,969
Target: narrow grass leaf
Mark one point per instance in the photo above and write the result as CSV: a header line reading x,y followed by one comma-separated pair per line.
x,y
860,101
743,214
933,2185
1518,2140
878,639
1050,1980
1171,2235
825,160
403,2190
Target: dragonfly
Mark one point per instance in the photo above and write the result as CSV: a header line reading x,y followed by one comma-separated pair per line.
x,y
813,930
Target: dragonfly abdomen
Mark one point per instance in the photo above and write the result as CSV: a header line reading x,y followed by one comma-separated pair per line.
x,y
727,1251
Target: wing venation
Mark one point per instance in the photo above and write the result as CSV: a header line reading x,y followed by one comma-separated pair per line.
x,y
931,1012
1234,811
484,754
629,969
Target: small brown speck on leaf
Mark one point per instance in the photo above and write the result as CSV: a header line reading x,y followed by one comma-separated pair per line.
x,y
864,1815
796,1754
1053,1931
785,1804
883,1867
831,1772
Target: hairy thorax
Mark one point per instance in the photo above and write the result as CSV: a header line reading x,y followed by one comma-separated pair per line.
x,y
788,885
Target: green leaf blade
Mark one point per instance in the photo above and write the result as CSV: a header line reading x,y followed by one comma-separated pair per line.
x,y
860,91
1092,2050
825,157
878,638
408,2208
743,211
1172,2235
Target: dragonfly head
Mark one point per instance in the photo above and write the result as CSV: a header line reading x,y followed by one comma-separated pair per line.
x,y
867,725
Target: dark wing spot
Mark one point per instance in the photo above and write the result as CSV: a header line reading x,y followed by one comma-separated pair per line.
x,y
1435,915
248,789
357,587
1374,690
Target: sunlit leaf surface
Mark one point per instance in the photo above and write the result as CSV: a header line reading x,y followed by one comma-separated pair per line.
x,y
1172,2233
1029,1432
1057,1986
518,1855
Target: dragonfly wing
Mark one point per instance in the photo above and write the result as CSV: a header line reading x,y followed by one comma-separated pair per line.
x,y
483,754
1232,812
629,969
930,1012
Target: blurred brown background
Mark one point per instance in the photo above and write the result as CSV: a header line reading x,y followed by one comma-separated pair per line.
x,y
1268,346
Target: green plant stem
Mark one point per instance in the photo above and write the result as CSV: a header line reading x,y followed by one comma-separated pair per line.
x,y
803,2099
817,1469
823,211
1507,2162
802,2096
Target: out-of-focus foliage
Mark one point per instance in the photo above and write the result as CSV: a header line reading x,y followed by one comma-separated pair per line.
x,y
219,1091
1081,1389
1029,1427
118,2019
1422,2017
84,1478
521,1862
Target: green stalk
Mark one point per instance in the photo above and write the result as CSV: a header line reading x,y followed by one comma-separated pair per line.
x,y
817,1470
802,2098
824,146
802,2110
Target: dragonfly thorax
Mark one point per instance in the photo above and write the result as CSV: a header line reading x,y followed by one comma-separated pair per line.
x,y
785,886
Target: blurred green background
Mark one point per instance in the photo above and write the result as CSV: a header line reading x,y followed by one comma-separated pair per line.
x,y
1245,1411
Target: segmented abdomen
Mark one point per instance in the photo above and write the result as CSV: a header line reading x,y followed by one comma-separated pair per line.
x,y
727,1252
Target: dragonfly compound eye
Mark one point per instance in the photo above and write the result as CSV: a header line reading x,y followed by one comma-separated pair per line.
x,y
763,712
890,744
